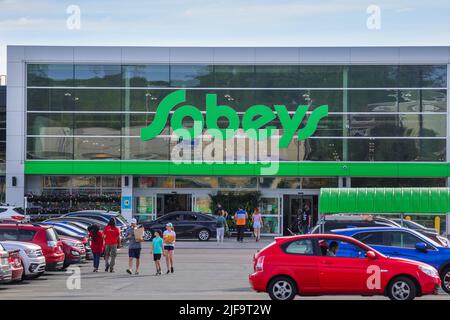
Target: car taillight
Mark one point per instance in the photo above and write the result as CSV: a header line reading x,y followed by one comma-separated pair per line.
x,y
259,266
17,217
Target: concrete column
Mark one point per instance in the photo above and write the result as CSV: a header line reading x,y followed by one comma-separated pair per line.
x,y
15,130
127,197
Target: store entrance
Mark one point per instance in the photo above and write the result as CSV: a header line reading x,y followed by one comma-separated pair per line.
x,y
292,208
166,203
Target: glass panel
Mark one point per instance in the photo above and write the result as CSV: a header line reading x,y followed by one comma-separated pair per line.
x,y
86,182
398,182
50,75
279,183
50,148
111,181
191,75
144,205
95,148
415,76
234,76
434,100
143,100
56,182
320,150
330,126
155,149
58,124
373,101
146,75
138,121
50,99
97,100
154,182
87,75
373,76
317,183
203,204
271,224
269,206
196,182
406,125
396,149
276,77
104,124
321,76
237,182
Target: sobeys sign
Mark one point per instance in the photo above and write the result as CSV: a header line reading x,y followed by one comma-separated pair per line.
x,y
254,120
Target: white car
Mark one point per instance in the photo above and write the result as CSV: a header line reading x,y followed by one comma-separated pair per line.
x,y
33,260
10,213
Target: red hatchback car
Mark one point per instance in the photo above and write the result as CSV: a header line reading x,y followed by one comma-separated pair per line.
x,y
313,265
44,236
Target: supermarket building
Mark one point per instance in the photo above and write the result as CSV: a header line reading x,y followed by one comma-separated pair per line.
x,y
75,120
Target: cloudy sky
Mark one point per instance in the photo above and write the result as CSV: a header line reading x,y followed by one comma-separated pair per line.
x,y
224,23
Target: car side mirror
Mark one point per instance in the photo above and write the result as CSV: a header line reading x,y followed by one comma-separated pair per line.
x,y
371,255
421,246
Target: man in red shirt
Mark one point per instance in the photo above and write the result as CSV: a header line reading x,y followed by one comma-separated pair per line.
x,y
112,240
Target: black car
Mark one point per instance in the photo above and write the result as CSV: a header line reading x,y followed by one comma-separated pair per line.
x,y
428,232
187,224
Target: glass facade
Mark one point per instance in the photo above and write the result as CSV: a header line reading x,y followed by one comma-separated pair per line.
x,y
376,112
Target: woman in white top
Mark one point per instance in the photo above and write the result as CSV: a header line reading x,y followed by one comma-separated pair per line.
x,y
169,237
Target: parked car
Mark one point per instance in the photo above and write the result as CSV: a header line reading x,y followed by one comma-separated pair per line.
x,y
32,257
16,265
339,221
298,265
74,251
12,213
187,224
82,220
408,244
428,232
5,267
72,232
101,215
42,235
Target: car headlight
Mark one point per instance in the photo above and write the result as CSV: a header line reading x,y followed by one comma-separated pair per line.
x,y
75,253
31,253
432,272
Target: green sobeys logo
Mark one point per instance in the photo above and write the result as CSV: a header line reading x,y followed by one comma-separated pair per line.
x,y
253,120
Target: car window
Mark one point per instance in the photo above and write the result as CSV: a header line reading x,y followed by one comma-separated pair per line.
x,y
402,239
8,234
3,210
302,247
341,249
51,235
26,235
176,217
374,238
2,248
190,217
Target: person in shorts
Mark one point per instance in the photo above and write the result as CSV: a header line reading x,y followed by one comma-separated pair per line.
x,y
134,248
169,237
157,244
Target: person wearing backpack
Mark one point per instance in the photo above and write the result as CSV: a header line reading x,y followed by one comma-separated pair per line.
x,y
220,227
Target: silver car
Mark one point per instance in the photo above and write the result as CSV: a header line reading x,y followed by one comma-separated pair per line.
x,y
5,267
33,259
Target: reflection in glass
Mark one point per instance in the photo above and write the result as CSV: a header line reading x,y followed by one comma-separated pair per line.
x,y
196,182
283,76
96,148
398,182
57,124
321,76
57,148
190,75
95,75
154,149
104,124
237,182
50,75
146,75
234,76
374,76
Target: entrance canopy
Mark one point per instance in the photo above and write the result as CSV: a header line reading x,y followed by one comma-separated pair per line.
x,y
420,201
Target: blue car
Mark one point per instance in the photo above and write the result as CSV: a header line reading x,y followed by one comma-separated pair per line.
x,y
403,243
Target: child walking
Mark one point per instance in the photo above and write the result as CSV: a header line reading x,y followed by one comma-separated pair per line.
x,y
157,244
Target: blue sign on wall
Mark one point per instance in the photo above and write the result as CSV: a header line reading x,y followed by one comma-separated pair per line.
x,y
126,203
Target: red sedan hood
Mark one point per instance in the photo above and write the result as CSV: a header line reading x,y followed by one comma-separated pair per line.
x,y
408,261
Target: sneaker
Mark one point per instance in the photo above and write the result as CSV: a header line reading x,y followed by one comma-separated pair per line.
x,y
171,269
111,270
136,273
106,268
95,270
129,271
168,271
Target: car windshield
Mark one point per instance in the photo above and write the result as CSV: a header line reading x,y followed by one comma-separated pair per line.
x,y
426,239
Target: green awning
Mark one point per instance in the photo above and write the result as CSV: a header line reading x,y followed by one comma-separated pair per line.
x,y
385,200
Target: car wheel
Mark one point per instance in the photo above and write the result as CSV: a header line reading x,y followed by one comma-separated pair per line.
x,y
402,288
445,278
147,235
282,288
204,235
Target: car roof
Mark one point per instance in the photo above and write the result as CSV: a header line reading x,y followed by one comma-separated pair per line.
x,y
25,226
354,230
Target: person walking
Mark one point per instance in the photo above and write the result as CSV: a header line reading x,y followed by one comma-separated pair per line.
x,y
112,242
220,227
157,245
219,209
257,224
240,217
97,244
134,248
169,237
305,218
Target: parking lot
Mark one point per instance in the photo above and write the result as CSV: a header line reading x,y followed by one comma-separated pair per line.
x,y
202,271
